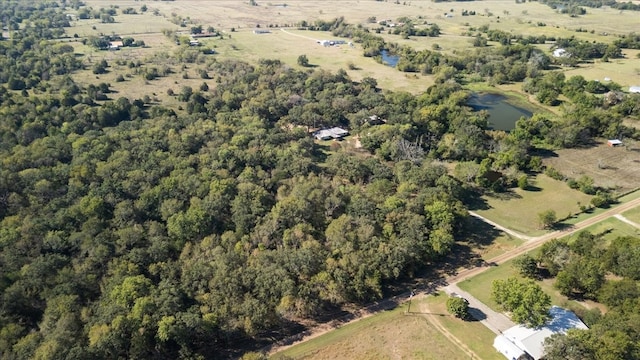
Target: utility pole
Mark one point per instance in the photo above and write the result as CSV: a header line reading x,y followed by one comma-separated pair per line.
x,y
410,297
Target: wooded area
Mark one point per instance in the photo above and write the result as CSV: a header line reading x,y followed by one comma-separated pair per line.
x,y
133,230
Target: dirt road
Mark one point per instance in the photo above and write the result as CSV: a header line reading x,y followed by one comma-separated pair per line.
x,y
535,242
451,281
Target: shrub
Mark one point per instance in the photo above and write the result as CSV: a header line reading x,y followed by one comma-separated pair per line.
x,y
523,182
458,307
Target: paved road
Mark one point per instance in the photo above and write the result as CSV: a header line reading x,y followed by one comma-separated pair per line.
x,y
537,241
495,321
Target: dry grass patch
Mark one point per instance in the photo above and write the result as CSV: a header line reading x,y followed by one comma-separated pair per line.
x,y
616,168
226,15
518,209
473,333
387,335
625,72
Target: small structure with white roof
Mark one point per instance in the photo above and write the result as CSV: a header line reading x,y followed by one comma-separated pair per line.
x,y
333,133
614,142
559,53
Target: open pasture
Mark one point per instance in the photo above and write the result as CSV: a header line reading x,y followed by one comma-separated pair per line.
x,y
474,334
387,335
625,72
518,209
617,168
238,19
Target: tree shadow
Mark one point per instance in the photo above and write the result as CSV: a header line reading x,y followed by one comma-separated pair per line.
x,y
475,314
562,226
479,233
506,195
532,188
544,153
476,203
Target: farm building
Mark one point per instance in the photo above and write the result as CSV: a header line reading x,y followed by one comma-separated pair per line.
x,y
634,89
333,133
115,45
374,120
529,342
614,142
561,53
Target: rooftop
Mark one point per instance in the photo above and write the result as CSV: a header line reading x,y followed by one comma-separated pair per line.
x,y
531,340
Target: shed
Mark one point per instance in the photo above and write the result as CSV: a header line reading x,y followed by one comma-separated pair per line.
x,y
561,53
634,89
333,133
115,45
614,142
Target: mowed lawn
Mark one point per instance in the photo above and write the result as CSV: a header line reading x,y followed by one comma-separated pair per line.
x,y
485,241
480,287
474,334
387,335
633,215
518,209
610,229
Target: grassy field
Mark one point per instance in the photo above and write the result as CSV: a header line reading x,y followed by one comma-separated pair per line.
x,y
610,229
615,168
228,15
485,241
625,72
633,215
518,210
390,334
505,14
480,287
474,334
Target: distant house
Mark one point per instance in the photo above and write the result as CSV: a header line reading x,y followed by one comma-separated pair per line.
x,y
194,43
634,89
261,31
522,342
333,133
614,142
374,120
115,45
558,53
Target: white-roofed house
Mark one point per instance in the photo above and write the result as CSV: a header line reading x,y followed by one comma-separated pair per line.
x,y
634,89
333,133
520,341
560,53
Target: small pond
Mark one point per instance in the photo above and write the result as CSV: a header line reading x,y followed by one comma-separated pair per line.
x,y
502,114
388,59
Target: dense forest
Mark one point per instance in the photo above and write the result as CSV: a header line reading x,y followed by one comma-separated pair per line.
x,y
132,230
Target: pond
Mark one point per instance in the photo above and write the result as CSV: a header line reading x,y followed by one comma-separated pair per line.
x,y
388,59
502,114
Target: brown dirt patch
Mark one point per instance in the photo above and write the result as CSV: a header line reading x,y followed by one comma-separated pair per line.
x,y
617,167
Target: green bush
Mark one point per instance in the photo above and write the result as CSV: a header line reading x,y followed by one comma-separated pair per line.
x,y
458,307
